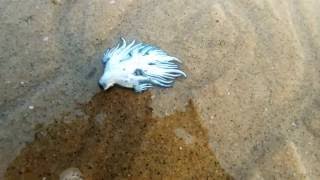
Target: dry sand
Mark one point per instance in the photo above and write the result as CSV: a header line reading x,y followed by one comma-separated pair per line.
x,y
254,85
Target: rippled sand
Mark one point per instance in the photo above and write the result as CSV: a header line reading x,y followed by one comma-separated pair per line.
x,y
254,85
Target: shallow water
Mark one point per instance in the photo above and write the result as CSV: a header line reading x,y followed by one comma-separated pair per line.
x,y
119,138
249,108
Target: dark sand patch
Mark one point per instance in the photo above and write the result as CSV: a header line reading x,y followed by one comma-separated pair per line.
x,y
116,137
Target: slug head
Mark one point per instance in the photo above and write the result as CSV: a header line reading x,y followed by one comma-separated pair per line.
x,y
105,82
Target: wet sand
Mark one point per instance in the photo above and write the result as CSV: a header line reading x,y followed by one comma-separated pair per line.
x,y
118,138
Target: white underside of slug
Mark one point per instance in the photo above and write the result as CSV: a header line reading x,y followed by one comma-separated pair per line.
x,y
139,66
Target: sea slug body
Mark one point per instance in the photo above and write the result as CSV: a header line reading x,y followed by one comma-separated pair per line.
x,y
139,66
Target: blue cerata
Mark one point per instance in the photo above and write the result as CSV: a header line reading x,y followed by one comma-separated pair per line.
x,y
139,66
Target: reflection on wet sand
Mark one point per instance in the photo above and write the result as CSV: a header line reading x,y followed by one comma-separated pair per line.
x,y
117,137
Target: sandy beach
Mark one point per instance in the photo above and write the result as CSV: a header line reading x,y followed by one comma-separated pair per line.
x,y
249,108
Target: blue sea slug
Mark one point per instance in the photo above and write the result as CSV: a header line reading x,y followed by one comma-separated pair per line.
x,y
139,66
